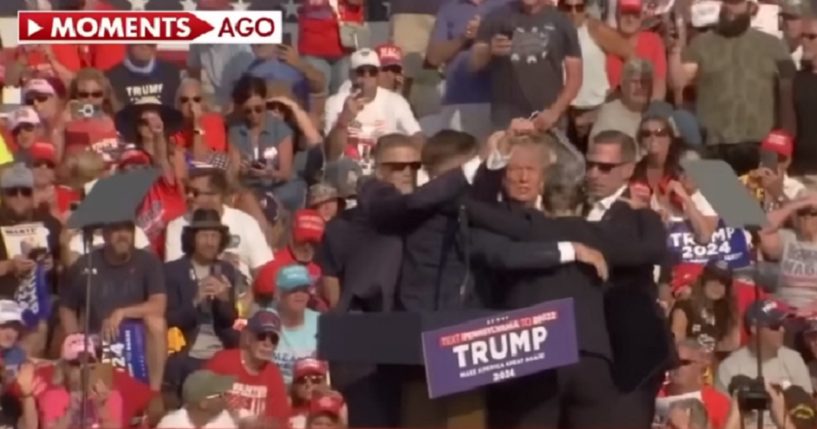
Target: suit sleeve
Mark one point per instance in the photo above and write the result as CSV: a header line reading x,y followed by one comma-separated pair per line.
x,y
179,314
501,254
494,218
632,238
389,208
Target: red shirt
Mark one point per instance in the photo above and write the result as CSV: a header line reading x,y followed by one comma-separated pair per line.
x,y
137,394
163,203
319,28
73,57
648,46
716,403
65,196
215,135
263,394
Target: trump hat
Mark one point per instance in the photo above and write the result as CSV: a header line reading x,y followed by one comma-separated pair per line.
x,y
293,277
779,142
364,57
308,226
390,55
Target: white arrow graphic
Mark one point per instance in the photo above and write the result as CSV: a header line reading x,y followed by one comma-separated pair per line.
x,y
33,27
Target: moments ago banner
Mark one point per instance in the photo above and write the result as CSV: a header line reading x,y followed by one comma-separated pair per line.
x,y
500,347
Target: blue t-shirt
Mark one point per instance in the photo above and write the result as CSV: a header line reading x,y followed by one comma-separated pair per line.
x,y
297,344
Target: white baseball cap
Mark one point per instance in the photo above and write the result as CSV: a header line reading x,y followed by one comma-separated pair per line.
x,y
23,115
10,311
364,57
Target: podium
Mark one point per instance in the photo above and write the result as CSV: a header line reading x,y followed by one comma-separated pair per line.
x,y
385,350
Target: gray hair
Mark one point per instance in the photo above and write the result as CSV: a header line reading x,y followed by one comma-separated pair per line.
x,y
569,162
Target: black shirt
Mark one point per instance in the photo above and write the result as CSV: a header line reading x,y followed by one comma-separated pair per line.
x,y
112,286
161,83
531,78
805,104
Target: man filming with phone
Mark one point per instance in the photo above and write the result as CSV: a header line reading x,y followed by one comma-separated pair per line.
x,y
355,119
770,182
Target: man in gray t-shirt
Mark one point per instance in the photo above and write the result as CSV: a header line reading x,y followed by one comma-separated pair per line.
x,y
532,53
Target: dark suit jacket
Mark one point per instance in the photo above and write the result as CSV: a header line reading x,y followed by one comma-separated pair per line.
x,y
632,242
182,289
433,269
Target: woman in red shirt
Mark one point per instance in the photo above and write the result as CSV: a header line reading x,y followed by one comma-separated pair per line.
x,y
202,136
647,45
319,41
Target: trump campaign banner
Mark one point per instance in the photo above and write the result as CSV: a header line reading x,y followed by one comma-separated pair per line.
x,y
500,347
128,352
726,244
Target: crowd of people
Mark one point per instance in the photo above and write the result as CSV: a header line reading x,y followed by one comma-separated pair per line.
x,y
493,154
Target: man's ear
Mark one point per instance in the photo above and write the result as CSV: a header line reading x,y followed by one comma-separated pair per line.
x,y
753,8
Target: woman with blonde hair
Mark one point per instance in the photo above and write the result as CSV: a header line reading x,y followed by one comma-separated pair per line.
x,y
91,86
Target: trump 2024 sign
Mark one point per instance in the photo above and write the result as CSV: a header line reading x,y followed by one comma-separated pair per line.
x,y
500,347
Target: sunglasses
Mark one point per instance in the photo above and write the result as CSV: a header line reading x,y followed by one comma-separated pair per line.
x,y
43,163
37,99
807,212
195,193
90,94
661,132
184,100
254,109
267,336
311,379
366,71
392,69
604,167
578,8
687,362
400,166
17,192
809,36
24,127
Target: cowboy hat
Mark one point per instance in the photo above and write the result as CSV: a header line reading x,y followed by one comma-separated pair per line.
x,y
127,119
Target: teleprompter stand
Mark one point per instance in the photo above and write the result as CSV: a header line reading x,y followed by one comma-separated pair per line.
x,y
731,200
112,200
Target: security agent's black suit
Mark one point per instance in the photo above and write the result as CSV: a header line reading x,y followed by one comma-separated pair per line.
x,y
588,394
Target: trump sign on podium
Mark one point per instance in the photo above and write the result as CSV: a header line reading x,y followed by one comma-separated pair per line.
x,y
500,347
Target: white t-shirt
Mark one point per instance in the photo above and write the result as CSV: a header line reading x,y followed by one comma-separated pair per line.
x,y
387,113
179,419
140,241
246,239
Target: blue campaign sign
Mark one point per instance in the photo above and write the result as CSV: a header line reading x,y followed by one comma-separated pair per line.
x,y
500,347
128,352
727,244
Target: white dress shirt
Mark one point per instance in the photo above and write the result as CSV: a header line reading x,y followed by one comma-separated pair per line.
x,y
601,206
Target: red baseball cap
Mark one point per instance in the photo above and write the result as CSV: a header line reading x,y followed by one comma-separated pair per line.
x,y
308,226
780,142
625,6
134,156
309,366
684,274
43,151
389,55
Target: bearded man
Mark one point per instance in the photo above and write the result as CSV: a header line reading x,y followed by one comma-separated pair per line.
x,y
743,84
